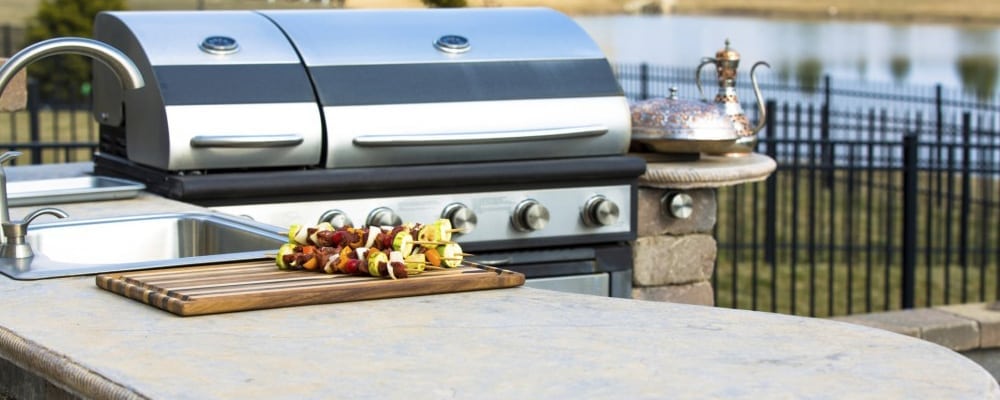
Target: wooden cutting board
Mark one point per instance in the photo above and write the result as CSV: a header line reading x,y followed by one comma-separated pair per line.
x,y
253,285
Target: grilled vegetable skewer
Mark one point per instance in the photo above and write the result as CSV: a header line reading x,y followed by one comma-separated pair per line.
x,y
374,251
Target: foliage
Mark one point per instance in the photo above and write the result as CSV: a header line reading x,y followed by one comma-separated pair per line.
x,y
809,71
444,3
62,77
899,67
978,74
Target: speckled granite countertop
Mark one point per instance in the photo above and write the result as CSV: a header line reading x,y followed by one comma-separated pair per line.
x,y
498,344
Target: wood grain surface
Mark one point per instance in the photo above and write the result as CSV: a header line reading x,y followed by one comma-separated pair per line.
x,y
253,285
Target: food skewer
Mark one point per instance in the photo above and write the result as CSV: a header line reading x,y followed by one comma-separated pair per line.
x,y
379,251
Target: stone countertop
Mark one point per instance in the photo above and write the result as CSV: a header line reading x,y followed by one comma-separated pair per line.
x,y
507,343
665,171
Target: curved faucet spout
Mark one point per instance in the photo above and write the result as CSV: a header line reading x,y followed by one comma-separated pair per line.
x,y
126,71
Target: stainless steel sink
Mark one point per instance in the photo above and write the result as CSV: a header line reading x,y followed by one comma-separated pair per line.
x,y
140,242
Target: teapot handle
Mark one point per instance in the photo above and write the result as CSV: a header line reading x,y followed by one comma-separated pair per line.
x,y
760,98
697,75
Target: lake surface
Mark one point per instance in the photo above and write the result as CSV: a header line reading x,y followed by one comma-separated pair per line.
x,y
954,55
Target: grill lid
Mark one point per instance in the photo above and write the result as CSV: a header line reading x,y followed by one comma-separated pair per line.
x,y
360,88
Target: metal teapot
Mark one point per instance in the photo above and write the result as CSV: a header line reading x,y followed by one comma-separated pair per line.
x,y
726,62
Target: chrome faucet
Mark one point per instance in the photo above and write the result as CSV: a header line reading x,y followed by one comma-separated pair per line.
x,y
126,71
128,74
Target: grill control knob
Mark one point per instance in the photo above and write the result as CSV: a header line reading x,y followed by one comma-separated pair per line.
x,y
461,217
599,211
383,216
530,215
337,218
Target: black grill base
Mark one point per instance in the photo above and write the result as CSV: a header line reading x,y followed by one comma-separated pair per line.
x,y
216,188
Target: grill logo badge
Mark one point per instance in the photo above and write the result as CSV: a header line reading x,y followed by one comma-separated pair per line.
x,y
452,44
220,45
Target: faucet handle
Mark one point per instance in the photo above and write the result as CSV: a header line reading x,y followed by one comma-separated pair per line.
x,y
40,212
8,155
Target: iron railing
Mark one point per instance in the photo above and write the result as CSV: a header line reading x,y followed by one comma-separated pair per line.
x,y
884,198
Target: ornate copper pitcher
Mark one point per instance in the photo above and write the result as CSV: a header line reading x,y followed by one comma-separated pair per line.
x,y
726,62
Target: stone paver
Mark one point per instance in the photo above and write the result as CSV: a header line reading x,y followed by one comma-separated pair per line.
x,y
699,293
937,326
988,319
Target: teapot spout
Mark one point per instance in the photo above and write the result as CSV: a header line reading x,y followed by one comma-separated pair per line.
x,y
760,97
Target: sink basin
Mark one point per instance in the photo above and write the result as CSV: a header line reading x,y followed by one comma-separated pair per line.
x,y
65,248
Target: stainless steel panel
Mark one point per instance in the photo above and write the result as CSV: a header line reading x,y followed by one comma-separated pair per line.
x,y
197,132
349,125
594,284
493,211
370,37
173,37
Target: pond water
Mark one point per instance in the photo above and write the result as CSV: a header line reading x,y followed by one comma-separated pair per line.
x,y
956,56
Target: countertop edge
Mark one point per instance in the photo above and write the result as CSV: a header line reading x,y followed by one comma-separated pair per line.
x,y
706,172
60,370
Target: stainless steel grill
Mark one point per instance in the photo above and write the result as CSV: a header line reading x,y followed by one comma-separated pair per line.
x,y
509,121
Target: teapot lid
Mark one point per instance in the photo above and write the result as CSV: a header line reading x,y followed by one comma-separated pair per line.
x,y
727,54
672,118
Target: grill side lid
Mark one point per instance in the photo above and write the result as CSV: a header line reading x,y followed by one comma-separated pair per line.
x,y
224,89
400,87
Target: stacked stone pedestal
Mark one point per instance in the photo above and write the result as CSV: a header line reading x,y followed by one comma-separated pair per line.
x,y
675,252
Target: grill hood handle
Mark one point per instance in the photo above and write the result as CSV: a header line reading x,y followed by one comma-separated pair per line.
x,y
247,141
436,139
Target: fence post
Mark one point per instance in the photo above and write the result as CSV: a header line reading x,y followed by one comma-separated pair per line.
x,y
910,143
939,130
771,195
8,41
824,131
643,81
34,127
966,200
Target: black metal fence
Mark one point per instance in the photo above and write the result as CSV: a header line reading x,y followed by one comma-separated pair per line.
x,y
49,133
884,198
11,39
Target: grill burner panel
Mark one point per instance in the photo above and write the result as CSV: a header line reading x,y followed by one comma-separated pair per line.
x,y
570,189
494,212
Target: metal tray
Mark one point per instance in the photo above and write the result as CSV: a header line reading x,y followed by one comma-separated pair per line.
x,y
68,190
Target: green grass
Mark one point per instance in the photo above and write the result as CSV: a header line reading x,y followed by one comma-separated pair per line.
x,y
850,292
